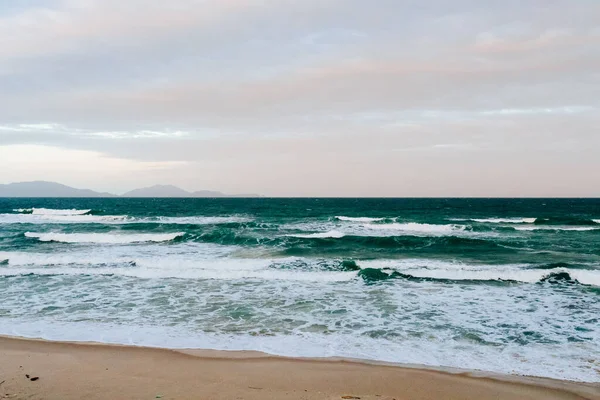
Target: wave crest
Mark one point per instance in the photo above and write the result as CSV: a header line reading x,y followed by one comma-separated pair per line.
x,y
556,228
504,220
50,211
427,270
319,235
103,238
359,219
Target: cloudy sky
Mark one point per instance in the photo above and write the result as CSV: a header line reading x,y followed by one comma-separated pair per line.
x,y
304,97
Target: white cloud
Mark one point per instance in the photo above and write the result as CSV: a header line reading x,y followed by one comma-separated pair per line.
x,y
80,167
59,129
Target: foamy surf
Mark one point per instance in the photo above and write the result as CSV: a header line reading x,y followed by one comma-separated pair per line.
x,y
417,228
524,273
358,219
382,230
198,271
504,220
58,217
49,211
196,220
103,238
556,228
319,235
529,361
61,219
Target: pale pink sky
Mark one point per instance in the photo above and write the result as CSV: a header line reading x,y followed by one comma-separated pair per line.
x,y
304,98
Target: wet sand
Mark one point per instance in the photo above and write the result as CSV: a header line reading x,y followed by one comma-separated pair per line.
x,y
69,371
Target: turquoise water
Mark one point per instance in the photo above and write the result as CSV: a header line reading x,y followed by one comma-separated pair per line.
x,y
506,285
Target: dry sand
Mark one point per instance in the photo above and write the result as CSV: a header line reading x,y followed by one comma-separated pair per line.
x,y
89,371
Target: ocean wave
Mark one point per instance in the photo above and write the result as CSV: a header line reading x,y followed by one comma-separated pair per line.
x,y
179,256
216,269
57,218
359,219
556,228
186,253
565,221
60,219
504,220
365,224
371,275
296,269
418,228
386,230
319,235
103,238
190,274
195,220
452,272
50,211
332,242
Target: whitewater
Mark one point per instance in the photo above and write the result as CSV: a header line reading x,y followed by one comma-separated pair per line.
x,y
507,285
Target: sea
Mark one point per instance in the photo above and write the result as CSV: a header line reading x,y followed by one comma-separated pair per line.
x,y
500,285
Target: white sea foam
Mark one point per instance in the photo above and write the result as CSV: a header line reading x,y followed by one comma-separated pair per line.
x,y
359,219
504,220
198,261
328,230
219,270
556,228
568,362
196,220
319,235
58,218
309,315
49,211
365,223
242,274
459,271
413,227
596,221
103,238
175,254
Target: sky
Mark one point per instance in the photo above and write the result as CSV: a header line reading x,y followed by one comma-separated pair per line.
x,y
303,97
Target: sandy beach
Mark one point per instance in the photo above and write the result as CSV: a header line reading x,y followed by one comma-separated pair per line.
x,y
94,371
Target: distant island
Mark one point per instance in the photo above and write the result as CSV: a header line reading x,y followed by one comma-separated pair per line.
x,y
53,189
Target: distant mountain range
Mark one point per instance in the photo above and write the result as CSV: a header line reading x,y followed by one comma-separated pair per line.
x,y
52,189
174,191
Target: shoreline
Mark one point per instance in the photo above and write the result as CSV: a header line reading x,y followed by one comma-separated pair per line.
x,y
73,370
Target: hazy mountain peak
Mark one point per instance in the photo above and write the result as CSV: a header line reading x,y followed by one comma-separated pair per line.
x,y
158,191
46,189
53,189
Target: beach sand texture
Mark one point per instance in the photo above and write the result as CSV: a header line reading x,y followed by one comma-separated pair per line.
x,y
70,371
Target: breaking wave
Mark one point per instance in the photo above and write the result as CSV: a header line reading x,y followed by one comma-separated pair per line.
x,y
504,220
566,221
556,228
79,217
319,235
358,219
49,211
417,228
103,238
425,270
